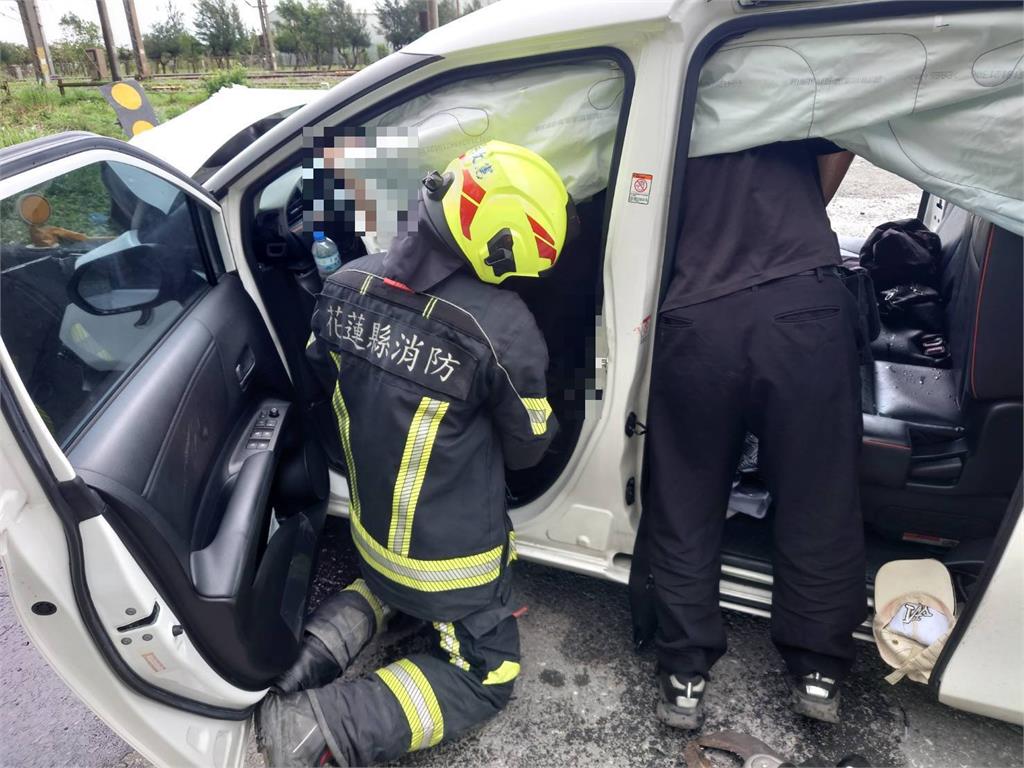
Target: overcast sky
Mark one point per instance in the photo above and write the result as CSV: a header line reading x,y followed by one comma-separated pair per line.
x,y
150,12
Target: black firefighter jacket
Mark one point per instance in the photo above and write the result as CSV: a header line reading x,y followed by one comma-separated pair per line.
x,y
434,392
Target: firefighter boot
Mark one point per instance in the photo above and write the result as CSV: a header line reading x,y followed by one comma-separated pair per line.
x,y
288,733
336,632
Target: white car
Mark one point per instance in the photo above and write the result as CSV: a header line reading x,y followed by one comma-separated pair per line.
x,y
203,139
159,555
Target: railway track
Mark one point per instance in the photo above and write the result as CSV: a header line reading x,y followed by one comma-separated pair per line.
x,y
177,82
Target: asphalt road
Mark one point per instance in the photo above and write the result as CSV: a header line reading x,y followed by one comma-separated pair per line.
x,y
584,696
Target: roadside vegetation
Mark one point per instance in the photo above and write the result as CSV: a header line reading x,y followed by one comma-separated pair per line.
x,y
30,111
193,61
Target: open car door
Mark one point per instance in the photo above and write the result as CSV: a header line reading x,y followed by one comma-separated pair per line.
x,y
160,503
976,670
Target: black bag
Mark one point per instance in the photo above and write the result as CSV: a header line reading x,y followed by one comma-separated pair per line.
x,y
902,252
912,306
858,282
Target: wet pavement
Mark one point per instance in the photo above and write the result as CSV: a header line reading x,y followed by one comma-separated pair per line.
x,y
583,698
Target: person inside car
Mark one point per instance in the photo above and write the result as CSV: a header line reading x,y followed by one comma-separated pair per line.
x,y
437,380
757,332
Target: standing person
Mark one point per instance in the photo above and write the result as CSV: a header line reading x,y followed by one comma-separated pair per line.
x,y
438,382
757,332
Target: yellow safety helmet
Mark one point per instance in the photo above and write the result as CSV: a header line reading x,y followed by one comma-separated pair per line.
x,y
503,207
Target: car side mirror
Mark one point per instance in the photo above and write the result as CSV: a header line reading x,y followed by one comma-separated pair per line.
x,y
128,280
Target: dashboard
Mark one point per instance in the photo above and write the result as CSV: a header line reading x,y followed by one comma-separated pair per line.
x,y
280,237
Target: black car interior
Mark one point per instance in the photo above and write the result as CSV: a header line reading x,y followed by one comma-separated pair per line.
x,y
942,443
221,492
943,433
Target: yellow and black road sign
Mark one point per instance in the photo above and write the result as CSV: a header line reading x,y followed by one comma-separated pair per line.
x,y
129,101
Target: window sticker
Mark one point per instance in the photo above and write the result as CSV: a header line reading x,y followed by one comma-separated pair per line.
x,y
640,188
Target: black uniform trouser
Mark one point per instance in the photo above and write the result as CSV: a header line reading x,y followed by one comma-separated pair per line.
x,y
779,360
420,700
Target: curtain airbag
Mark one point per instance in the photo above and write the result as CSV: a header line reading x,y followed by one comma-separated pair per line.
x,y
937,99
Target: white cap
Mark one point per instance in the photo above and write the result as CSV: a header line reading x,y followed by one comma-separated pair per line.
x,y
914,614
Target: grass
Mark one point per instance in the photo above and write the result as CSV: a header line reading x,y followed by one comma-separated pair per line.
x,y
76,197
31,111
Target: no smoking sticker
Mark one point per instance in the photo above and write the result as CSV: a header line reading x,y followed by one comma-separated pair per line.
x,y
640,188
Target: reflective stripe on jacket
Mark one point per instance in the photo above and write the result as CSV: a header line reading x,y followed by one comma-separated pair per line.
x,y
434,394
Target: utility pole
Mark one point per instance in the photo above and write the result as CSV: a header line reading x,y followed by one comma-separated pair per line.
x,y
36,40
108,39
141,62
431,14
268,34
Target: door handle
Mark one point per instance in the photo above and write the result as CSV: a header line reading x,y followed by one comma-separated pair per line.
x,y
244,367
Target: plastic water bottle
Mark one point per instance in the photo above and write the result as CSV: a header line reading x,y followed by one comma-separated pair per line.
x,y
325,254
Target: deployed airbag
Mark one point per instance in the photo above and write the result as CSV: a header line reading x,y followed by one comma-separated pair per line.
x,y
567,113
937,99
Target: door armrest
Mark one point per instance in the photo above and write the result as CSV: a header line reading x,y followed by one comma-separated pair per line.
x,y
218,569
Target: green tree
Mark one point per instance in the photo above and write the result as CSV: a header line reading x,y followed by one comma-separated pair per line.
x,y
165,41
219,28
79,32
291,31
317,32
192,50
446,9
305,29
286,41
399,21
348,30
14,53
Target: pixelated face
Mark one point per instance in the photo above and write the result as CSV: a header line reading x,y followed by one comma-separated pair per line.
x,y
365,179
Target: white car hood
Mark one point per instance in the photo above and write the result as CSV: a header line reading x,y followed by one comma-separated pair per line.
x,y
186,141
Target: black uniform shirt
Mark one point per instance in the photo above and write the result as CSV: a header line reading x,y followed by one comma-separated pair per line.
x,y
750,217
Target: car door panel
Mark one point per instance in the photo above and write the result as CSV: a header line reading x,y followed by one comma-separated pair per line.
x,y
195,498
181,544
31,538
976,671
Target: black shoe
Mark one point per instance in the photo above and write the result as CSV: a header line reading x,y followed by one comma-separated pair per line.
x,y
815,696
682,700
287,732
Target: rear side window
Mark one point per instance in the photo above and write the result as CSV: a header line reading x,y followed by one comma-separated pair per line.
x,y
95,265
870,196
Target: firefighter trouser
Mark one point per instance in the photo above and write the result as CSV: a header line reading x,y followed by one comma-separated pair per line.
x,y
417,701
779,360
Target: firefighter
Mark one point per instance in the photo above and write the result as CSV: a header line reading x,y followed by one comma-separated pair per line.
x,y
437,380
757,332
